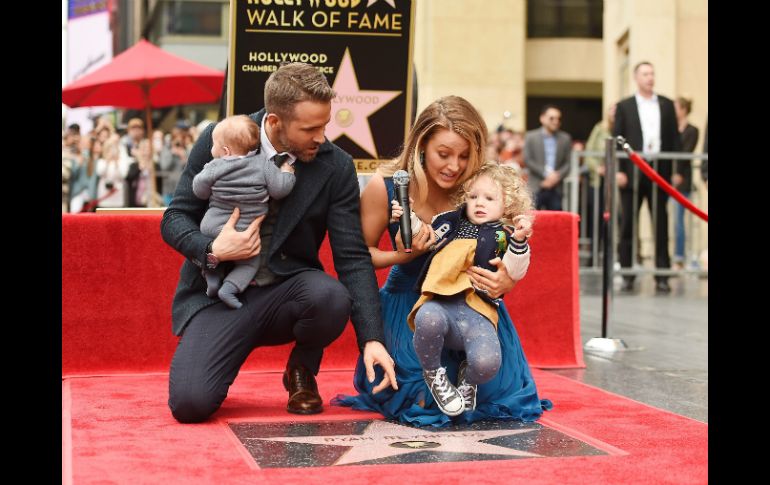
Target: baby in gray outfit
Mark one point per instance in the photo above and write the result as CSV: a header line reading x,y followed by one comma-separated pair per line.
x,y
238,176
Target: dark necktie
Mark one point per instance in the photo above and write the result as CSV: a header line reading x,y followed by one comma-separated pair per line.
x,y
279,158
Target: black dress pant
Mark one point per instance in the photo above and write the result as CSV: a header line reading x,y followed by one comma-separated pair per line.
x,y
548,199
310,308
597,207
627,225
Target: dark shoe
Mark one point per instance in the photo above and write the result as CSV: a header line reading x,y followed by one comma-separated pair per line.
x,y
303,391
447,397
661,287
627,286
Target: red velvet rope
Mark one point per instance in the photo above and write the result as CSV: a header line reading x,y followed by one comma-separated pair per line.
x,y
648,170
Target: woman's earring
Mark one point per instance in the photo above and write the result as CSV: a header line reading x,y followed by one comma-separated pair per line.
x,y
422,159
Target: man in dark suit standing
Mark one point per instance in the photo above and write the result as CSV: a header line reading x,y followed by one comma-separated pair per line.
x,y
546,155
648,122
293,299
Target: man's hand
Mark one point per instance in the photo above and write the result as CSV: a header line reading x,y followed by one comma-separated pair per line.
x,y
495,283
375,353
621,179
550,180
232,245
677,180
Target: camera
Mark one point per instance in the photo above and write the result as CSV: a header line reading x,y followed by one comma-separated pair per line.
x,y
109,185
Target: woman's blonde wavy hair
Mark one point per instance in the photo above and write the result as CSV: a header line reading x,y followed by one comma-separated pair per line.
x,y
451,113
517,199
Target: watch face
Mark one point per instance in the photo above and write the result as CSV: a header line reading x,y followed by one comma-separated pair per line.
x,y
211,261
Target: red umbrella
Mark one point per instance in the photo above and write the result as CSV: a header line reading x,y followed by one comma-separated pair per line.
x,y
145,77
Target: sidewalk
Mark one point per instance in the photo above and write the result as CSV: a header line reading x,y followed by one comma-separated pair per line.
x,y
666,365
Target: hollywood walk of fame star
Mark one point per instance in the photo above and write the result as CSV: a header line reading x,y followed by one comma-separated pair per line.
x,y
382,439
352,107
392,3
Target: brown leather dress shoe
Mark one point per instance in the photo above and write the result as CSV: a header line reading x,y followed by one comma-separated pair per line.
x,y
303,391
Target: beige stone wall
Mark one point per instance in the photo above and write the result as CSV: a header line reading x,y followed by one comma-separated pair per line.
x,y
473,49
564,60
478,49
692,54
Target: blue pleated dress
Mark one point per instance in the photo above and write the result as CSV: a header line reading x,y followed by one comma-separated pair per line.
x,y
510,395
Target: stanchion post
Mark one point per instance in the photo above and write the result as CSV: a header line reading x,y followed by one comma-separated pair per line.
x,y
604,343
611,168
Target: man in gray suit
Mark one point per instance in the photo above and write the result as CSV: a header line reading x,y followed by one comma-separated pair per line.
x,y
546,155
293,299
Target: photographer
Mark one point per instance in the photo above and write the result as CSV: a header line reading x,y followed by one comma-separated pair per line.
x,y
111,171
70,151
173,158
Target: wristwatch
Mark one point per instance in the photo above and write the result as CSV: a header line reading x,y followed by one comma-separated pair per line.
x,y
211,260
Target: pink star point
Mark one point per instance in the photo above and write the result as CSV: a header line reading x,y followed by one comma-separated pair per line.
x,y
352,107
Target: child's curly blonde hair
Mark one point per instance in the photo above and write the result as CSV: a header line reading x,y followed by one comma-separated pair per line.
x,y
517,199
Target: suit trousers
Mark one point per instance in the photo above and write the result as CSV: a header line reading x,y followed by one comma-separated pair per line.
x,y
548,199
310,308
628,223
598,208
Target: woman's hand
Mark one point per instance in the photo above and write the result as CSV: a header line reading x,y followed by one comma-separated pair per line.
x,y
422,241
494,283
396,211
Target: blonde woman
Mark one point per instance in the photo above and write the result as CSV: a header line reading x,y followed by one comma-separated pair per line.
x,y
443,150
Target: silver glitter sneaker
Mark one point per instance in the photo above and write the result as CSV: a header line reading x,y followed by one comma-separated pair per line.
x,y
446,395
467,391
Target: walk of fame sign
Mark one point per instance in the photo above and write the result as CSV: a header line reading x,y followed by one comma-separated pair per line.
x,y
376,442
364,47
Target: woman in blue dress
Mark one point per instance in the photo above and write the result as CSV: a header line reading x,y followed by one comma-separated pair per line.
x,y
445,146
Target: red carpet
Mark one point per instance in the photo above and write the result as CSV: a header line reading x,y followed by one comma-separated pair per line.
x,y
118,429
118,279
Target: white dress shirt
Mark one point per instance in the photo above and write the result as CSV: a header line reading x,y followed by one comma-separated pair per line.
x,y
268,147
649,117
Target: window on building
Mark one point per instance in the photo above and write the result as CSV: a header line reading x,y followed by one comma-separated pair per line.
x,y
202,19
564,18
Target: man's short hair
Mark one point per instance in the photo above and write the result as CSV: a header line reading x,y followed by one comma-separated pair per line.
x,y
643,63
74,128
293,83
548,106
135,123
